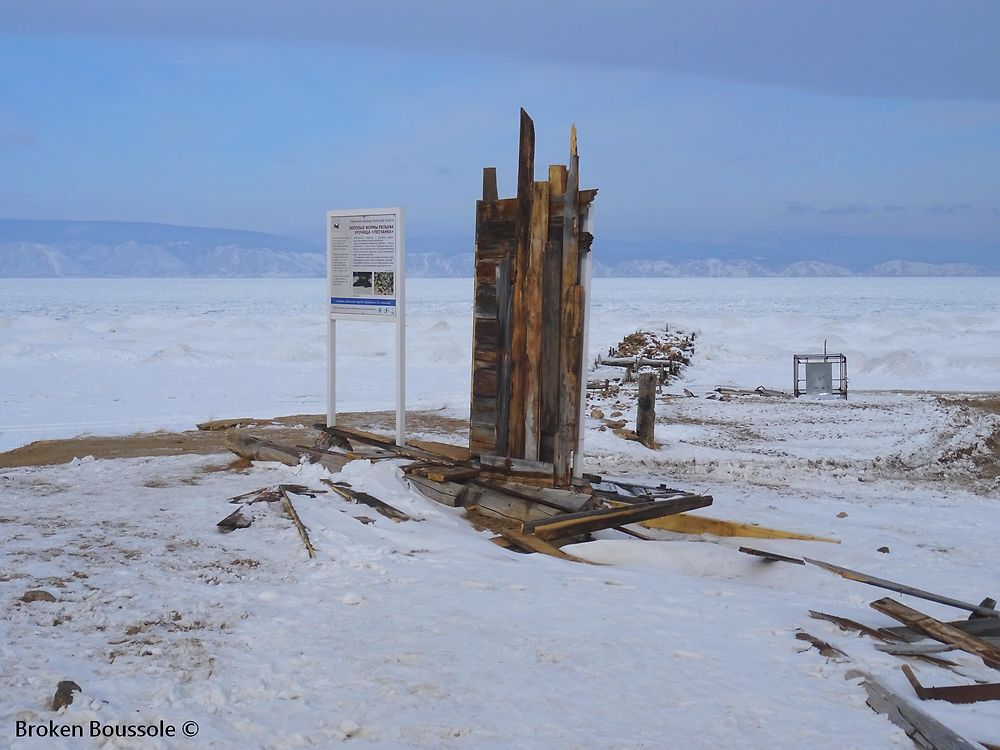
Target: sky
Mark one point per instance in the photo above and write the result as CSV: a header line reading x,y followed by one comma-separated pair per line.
x,y
711,121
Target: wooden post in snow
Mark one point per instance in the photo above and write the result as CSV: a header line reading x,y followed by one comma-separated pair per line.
x,y
646,416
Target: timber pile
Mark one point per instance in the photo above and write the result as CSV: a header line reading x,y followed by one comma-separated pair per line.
x,y
515,498
663,352
529,313
920,637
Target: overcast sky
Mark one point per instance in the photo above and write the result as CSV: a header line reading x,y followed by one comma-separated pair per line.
x,y
731,121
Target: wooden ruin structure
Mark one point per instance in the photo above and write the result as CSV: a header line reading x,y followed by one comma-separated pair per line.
x,y
529,328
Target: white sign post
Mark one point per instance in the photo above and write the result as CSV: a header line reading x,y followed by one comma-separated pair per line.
x,y
365,275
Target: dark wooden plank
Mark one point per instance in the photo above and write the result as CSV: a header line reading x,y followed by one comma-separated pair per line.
x,y
645,420
847,624
505,323
518,347
587,522
345,491
490,184
771,556
570,339
939,631
901,588
532,319
451,494
530,543
551,326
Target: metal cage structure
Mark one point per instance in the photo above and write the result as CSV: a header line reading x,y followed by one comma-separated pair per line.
x,y
813,375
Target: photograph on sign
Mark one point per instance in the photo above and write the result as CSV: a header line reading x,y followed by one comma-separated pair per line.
x,y
363,263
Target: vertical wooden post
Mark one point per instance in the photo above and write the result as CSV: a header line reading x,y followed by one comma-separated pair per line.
x,y
532,284
522,232
570,339
646,416
490,184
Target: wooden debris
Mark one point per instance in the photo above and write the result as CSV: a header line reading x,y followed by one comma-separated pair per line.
x,y
536,473
824,648
847,624
531,543
451,494
589,521
344,490
694,524
293,514
953,693
983,627
939,631
900,588
459,453
238,519
257,449
924,730
646,412
229,424
504,505
771,556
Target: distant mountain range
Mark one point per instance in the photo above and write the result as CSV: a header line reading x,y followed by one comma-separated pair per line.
x,y
30,248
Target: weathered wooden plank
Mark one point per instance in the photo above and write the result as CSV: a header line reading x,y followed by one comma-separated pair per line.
x,y
939,631
451,494
530,543
901,588
445,450
300,527
500,504
522,229
690,523
570,339
589,521
845,623
505,322
551,328
982,627
646,410
565,501
257,449
923,729
345,491
490,184
532,320
557,178
771,556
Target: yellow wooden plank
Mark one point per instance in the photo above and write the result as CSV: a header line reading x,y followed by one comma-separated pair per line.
x,y
686,523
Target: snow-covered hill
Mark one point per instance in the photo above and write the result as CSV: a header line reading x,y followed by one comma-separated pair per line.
x,y
36,249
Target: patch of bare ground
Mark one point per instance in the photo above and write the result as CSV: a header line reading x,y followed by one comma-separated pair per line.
x,y
293,429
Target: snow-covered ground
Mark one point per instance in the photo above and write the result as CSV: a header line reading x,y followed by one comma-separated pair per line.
x,y
110,356
423,634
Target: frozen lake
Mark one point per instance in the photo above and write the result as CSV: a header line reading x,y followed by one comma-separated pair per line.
x,y
112,356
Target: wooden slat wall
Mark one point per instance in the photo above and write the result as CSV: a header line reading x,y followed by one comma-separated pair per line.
x,y
529,311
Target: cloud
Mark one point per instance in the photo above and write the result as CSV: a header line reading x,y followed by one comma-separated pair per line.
x,y
894,209
946,210
851,209
12,139
851,47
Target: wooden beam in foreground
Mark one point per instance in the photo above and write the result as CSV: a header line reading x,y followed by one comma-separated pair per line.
x,y
923,729
585,522
939,631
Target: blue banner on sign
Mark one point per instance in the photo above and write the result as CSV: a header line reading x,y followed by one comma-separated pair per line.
x,y
354,301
